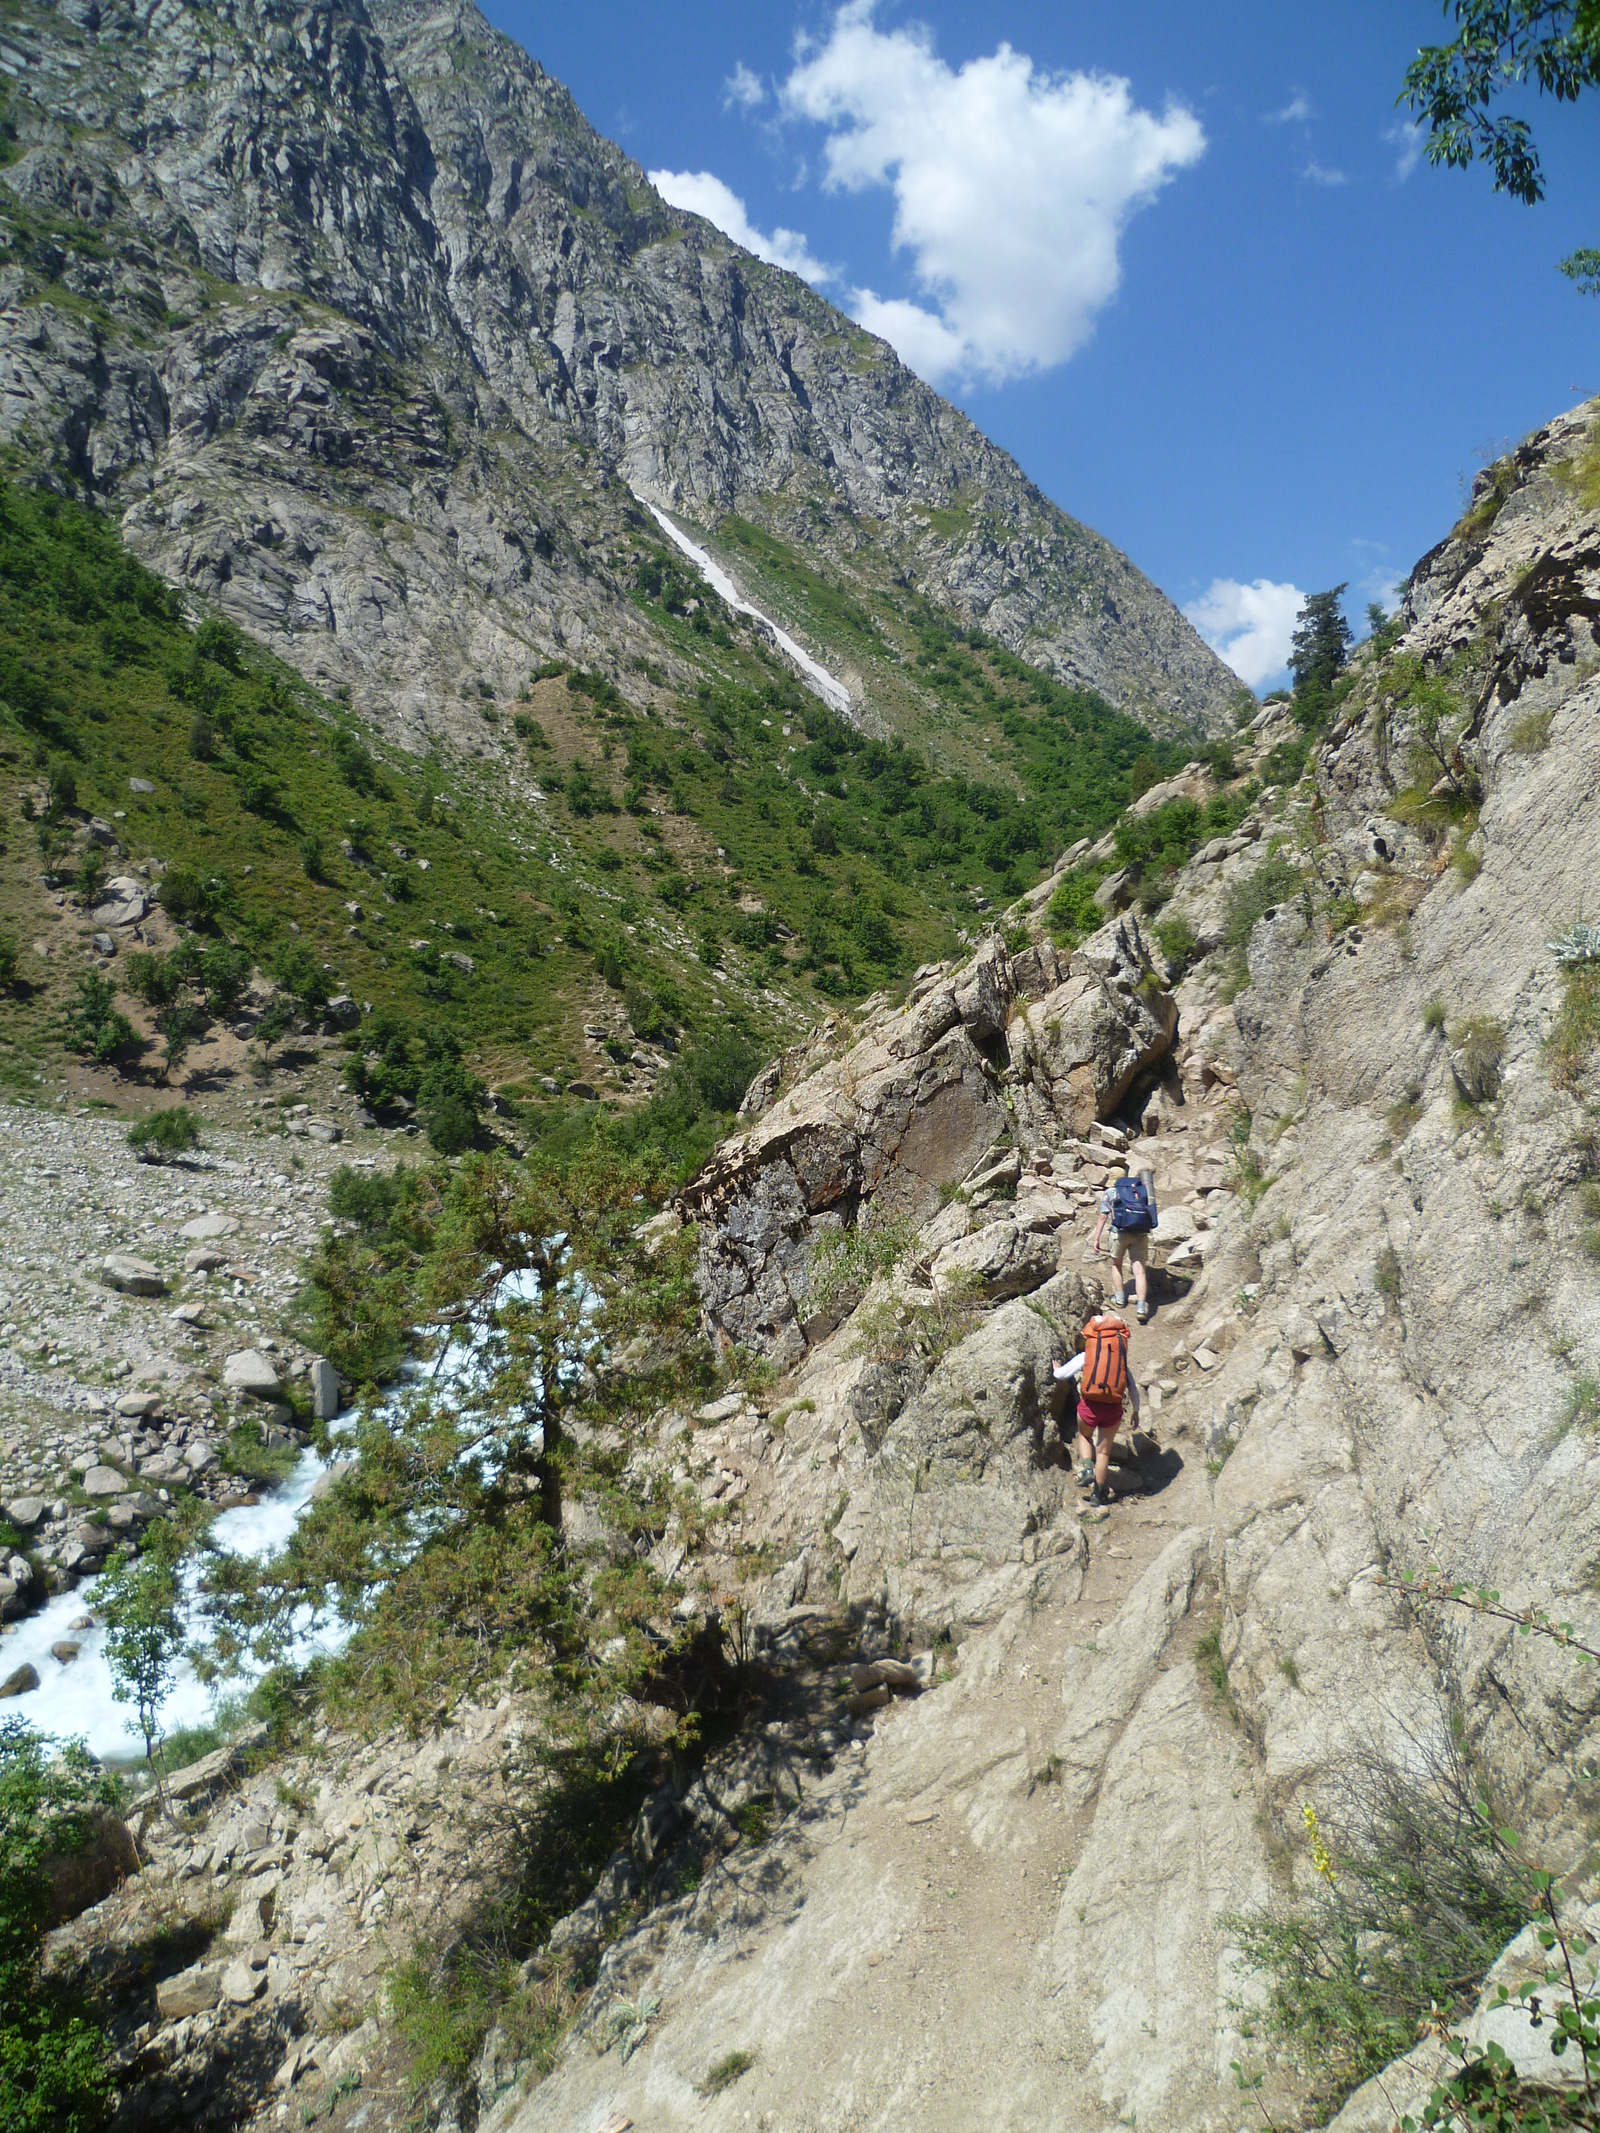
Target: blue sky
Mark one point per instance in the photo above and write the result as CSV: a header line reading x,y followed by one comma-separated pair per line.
x,y
1182,262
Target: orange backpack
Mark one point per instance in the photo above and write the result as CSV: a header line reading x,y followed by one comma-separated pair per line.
x,y
1105,1360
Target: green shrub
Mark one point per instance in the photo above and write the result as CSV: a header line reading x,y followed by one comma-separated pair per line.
x,y
1412,1897
10,957
450,1101
53,2073
93,1024
1479,1043
1386,1273
1434,1016
1583,1405
173,1131
726,2071
1073,914
1576,1030
188,897
352,761
369,1200
1247,901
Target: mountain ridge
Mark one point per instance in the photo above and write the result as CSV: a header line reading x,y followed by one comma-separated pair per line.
x,y
517,330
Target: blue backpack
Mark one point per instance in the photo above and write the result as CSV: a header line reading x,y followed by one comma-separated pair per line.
x,y
1130,1205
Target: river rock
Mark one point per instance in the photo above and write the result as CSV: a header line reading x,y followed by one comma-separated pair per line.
x,y
65,1650
21,1681
105,1481
134,1277
205,1228
324,1389
249,1372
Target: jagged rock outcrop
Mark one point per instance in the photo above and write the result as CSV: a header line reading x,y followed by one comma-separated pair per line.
x,y
370,336
911,1108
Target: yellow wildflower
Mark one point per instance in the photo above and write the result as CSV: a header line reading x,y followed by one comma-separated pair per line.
x,y
1319,1851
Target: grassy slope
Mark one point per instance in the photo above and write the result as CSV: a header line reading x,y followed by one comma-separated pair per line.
x,y
707,866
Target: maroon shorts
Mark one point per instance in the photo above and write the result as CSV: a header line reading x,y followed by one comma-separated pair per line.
x,y
1099,1414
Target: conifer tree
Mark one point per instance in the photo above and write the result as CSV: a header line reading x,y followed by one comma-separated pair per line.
x,y
1321,640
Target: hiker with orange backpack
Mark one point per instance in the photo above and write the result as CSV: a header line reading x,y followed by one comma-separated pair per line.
x,y
1103,1380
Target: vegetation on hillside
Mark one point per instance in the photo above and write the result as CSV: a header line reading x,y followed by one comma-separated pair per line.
x,y
741,836
53,2073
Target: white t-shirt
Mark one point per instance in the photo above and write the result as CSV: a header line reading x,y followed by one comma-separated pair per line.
x,y
1065,1371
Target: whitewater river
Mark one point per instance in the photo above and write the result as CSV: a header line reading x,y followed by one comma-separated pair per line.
x,y
75,1701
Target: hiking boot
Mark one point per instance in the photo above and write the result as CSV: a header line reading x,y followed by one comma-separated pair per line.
x,y
1119,1298
1142,1313
1086,1477
1101,1497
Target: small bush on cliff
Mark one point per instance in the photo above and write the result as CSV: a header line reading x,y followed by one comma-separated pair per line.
x,y
1276,881
1411,1897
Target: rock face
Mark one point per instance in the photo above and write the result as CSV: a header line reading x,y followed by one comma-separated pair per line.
x,y
89,1872
911,1106
1374,1347
274,359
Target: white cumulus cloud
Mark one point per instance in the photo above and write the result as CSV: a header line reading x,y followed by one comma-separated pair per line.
x,y
701,192
1407,141
1248,625
1012,187
744,88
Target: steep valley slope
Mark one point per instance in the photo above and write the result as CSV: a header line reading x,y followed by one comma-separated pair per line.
x,y
1013,1769
369,346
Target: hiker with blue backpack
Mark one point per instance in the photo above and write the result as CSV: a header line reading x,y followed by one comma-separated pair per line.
x,y
1129,1205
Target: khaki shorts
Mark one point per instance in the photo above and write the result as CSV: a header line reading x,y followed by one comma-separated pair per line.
x,y
1135,1242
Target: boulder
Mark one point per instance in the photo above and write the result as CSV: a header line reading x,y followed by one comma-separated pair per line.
x,y
25,1512
123,902
138,1406
1076,1052
873,1127
191,1992
21,1681
324,1389
957,1515
65,1650
88,1872
1005,1259
205,1228
242,1983
105,1481
204,1261
249,1372
134,1277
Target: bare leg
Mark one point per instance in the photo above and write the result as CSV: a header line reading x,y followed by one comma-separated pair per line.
x,y
1102,1455
1116,1279
1141,1282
